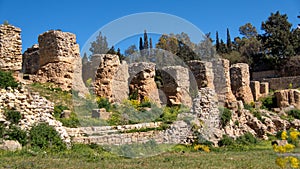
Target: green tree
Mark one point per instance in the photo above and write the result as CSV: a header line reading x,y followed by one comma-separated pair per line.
x,y
141,46
229,43
150,41
130,50
146,45
100,45
217,42
277,37
248,31
112,50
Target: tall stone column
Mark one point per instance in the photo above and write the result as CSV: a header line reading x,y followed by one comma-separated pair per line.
x,y
240,82
10,48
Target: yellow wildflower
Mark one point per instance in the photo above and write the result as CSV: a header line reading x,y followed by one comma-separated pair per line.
x,y
294,162
284,135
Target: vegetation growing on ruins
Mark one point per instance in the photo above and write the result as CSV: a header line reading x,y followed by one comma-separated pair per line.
x,y
7,80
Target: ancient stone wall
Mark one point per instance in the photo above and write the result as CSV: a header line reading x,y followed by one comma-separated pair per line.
x,y
141,81
111,79
222,82
31,60
33,108
240,82
283,82
202,71
289,97
176,84
10,48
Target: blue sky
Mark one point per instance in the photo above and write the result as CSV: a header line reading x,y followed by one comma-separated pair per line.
x,y
84,18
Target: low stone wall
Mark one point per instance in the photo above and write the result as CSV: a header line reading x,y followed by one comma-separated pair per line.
x,y
283,82
257,76
177,133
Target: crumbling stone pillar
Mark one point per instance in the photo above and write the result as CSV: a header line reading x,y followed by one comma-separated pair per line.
x,y
141,81
240,82
176,85
264,88
31,60
10,48
111,80
60,61
288,97
255,89
222,83
202,71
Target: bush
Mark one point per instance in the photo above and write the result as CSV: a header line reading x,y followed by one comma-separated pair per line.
x,y
70,122
294,113
225,116
7,80
268,102
104,103
226,141
15,133
13,116
246,139
44,136
58,110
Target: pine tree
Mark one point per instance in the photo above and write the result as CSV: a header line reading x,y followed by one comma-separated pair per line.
x,y
229,43
217,42
100,45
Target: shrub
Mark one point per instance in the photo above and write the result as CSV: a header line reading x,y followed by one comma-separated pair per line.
x,y
72,122
225,116
226,141
268,102
294,113
58,110
15,133
44,136
104,103
7,80
246,139
13,116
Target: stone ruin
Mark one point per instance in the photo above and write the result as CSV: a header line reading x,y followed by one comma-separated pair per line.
x,y
203,73
31,60
10,48
55,59
259,89
141,81
176,85
288,98
240,82
222,83
111,80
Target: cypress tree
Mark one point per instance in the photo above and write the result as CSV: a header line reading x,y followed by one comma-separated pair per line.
x,y
141,47
145,40
229,43
150,41
217,42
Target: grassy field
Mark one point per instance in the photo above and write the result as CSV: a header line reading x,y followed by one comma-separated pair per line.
x,y
83,157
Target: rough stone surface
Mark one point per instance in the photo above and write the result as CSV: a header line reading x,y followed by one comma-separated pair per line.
x,y
202,72
264,88
120,89
288,97
205,107
141,80
10,145
255,89
111,80
33,108
31,60
60,61
101,114
10,48
176,85
222,83
240,82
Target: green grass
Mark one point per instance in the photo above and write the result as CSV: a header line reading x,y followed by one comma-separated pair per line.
x,y
92,156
